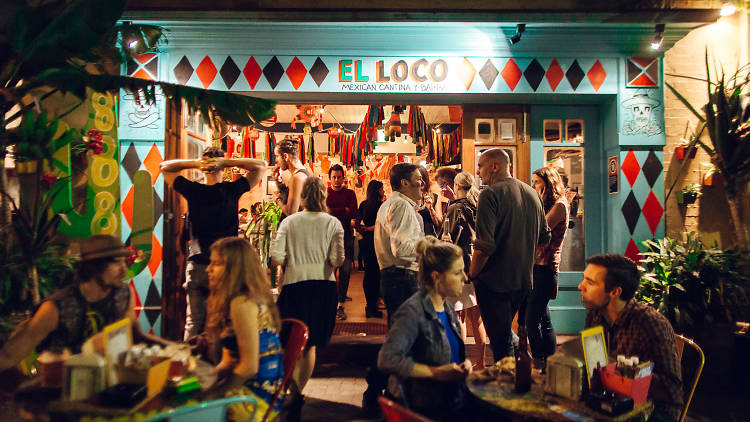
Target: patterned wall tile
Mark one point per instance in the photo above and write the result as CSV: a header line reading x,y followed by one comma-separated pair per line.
x,y
642,190
138,156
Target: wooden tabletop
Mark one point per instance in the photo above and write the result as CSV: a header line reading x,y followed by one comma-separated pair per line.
x,y
536,404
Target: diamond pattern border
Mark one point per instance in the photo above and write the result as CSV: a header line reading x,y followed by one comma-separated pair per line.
x,y
643,196
519,74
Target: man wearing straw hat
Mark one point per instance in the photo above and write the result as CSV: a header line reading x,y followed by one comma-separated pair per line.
x,y
97,297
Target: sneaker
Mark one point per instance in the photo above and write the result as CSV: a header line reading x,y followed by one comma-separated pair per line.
x,y
340,314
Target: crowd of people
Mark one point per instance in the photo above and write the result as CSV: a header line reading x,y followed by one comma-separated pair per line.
x,y
490,256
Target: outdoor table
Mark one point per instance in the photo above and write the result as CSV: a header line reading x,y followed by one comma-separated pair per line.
x,y
536,404
64,410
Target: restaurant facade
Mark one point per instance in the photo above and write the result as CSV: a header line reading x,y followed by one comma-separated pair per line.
x,y
582,92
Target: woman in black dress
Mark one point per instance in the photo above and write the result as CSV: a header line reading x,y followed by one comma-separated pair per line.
x,y
368,211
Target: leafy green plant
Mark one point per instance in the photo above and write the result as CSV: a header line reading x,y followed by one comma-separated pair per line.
x,y
726,117
689,194
262,230
692,284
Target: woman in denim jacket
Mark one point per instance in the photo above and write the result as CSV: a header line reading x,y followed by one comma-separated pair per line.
x,y
423,348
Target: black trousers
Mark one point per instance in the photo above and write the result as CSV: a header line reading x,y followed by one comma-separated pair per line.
x,y
371,281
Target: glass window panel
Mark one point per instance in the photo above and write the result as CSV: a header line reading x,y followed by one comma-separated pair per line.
x,y
568,161
552,130
574,131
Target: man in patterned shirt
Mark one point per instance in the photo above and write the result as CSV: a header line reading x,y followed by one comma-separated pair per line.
x,y
633,328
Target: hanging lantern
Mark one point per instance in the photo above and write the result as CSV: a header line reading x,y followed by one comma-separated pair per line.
x,y
334,132
393,127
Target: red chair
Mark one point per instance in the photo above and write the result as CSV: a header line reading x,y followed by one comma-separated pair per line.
x,y
296,338
394,412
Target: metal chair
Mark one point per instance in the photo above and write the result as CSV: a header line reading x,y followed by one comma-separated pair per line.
x,y
394,412
297,334
681,342
214,410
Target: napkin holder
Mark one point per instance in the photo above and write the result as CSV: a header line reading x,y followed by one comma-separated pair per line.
x,y
565,376
84,376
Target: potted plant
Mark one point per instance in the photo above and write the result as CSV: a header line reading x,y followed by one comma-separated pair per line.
x,y
688,194
685,150
702,290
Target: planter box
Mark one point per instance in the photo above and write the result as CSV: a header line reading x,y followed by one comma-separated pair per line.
x,y
713,179
681,151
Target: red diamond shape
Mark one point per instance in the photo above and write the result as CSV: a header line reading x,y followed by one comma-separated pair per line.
x,y
296,72
511,74
206,71
252,72
630,167
126,207
137,299
632,251
597,75
152,163
653,211
155,261
554,74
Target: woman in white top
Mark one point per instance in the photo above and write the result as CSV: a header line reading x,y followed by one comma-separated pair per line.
x,y
309,245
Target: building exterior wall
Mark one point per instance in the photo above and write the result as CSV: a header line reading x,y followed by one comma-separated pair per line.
x,y
727,45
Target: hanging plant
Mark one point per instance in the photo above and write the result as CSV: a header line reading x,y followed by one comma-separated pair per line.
x,y
689,194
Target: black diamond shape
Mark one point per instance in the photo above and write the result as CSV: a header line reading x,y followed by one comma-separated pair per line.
x,y
631,210
574,75
183,71
273,72
158,204
229,72
131,67
488,73
534,74
651,168
131,162
152,300
153,66
318,71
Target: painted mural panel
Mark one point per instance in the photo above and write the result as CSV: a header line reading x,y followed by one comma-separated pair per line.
x,y
419,75
100,215
641,103
142,224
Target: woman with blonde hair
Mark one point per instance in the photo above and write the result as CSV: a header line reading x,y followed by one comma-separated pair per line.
x,y
242,314
542,339
459,228
424,348
309,245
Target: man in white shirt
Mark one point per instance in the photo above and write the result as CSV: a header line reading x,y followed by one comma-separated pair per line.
x,y
397,231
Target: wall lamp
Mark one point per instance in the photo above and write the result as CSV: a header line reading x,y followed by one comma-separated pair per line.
x,y
520,28
658,36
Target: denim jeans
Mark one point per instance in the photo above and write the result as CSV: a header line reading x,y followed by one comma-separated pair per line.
x,y
398,284
196,284
345,270
542,337
497,310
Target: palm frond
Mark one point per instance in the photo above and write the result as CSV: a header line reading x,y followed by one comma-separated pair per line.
x,y
231,108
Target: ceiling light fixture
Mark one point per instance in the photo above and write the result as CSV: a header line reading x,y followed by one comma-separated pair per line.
x,y
132,43
520,29
658,36
727,9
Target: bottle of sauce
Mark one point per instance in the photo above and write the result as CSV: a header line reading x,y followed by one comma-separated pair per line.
x,y
523,363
